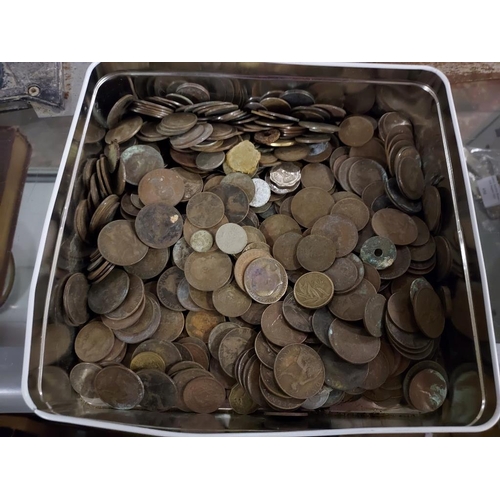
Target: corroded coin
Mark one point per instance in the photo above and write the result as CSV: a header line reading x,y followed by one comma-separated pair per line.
x,y
165,349
139,160
277,330
356,131
118,243
236,204
265,280
94,342
344,274
205,210
160,392
230,301
119,387
427,390
244,158
161,185
276,225
158,225
379,252
208,271
313,290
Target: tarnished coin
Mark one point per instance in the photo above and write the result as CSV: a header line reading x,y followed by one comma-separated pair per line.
x,y
204,395
171,325
118,109
205,210
299,371
431,202
168,351
180,252
208,271
400,265
345,273
230,301
216,335
138,161
374,315
124,130
262,193
340,229
313,290
429,314
317,175
353,208
132,301
231,238
321,321
379,252
316,252
161,185
201,241
119,387
210,161
378,372
318,400
428,390
400,311
75,298
395,225
82,378
276,225
199,324
242,181
265,280
167,286
158,225
160,392
364,172
286,174
297,316
264,352
310,204
151,265
118,243
351,306
240,401
285,250
235,201
356,131
277,330
234,343
147,360
243,262
94,342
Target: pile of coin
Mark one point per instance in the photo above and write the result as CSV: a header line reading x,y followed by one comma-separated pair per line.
x,y
263,252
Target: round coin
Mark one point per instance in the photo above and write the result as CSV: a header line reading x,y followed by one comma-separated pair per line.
x,y
379,252
161,185
160,392
395,225
316,252
204,395
118,243
240,401
277,330
208,271
285,250
158,225
265,280
313,290
428,390
310,204
139,160
108,294
94,342
119,387
151,265
374,315
82,378
353,208
351,306
230,301
166,288
400,311
297,316
199,324
340,229
429,314
231,238
205,210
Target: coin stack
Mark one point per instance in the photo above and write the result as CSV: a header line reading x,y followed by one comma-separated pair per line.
x,y
257,253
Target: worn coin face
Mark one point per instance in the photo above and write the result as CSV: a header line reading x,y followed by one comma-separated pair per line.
x,y
158,225
208,271
240,401
108,294
75,298
234,343
395,225
353,208
310,204
167,286
428,390
119,387
151,265
204,395
351,306
429,314
265,280
205,210
231,301
94,342
285,250
82,378
199,324
236,204
296,315
147,360
340,229
161,185
277,330
139,160
231,238
316,252
118,243
373,317
400,310
171,325
313,290
379,252
160,392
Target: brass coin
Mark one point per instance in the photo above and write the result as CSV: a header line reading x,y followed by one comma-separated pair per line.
x,y
94,342
275,226
200,324
119,244
205,210
124,130
151,265
75,298
119,387
147,360
216,335
107,295
138,161
204,395
236,204
310,204
132,301
400,310
355,131
244,158
234,343
158,225
171,325
373,317
231,238
379,252
378,372
297,317
265,354
160,392
299,371
265,280
167,286
313,290
351,306
285,250
428,390
355,209
429,314
208,271
161,185
340,229
352,343
230,301
395,225
400,265
243,261
316,252
276,329
240,401
168,351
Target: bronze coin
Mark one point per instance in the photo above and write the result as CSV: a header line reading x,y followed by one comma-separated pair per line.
x,y
399,266
362,173
378,372
205,210
193,182
316,252
429,314
158,225
254,314
276,329
428,390
276,402
374,315
298,317
204,395
265,280
352,343
208,271
168,351
119,244
171,325
181,251
400,311
94,342
351,306
355,209
75,298
240,401
118,324
242,263
371,274
138,161
147,360
321,321
185,353
379,252
161,185
119,387
395,225
268,379
409,342
410,177
299,371
355,131
344,274
151,265
234,343
340,229
423,232
310,204
317,175
230,301
313,290
197,354
132,302
201,299
182,378
285,250
167,286
423,252
236,204
372,192
264,352
277,225
108,294
184,297
200,324
220,375
242,181
160,392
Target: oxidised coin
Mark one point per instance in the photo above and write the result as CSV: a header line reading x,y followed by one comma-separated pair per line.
x,y
158,225
119,387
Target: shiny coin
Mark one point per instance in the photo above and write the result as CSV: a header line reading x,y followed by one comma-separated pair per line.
x,y
138,161
160,392
119,387
351,306
313,290
373,317
395,225
158,225
276,329
94,342
265,280
82,378
108,294
119,244
230,301
316,252
208,271
161,185
262,193
379,252
231,238
286,174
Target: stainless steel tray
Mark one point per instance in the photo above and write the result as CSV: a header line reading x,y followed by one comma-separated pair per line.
x,y
468,346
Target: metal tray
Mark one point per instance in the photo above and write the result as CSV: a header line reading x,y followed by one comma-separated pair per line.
x,y
468,345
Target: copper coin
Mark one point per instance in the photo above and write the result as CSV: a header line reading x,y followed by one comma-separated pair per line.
x,y
410,177
400,311
379,252
201,299
254,314
428,390
220,375
310,204
423,232
185,354
423,252
124,130
355,209
265,280
352,343
378,372
240,401
82,378
158,225
108,294
151,265
313,290
171,325
132,301
243,262
276,329
75,298
355,131
232,345
197,354
242,181
374,315
264,352
208,271
205,210
138,161
160,392
409,342
429,314
340,229
119,244
316,252
399,266
285,250
351,306
161,185
167,286
372,192
236,204
344,274
340,374
299,371
230,301
444,258
298,317
371,274
184,297
182,378
119,387
395,225
277,225
278,403
364,172
321,321
200,324
181,251
168,351
216,335
118,324
94,342
268,379
317,175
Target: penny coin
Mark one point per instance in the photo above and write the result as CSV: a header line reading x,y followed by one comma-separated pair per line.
x,y
243,181
199,324
276,402
299,371
75,298
118,109
108,294
133,299
231,238
352,343
201,241
395,225
182,378
316,252
158,225
353,208
340,229
167,286
431,202
427,390
138,161
119,244
378,372
160,392
216,335
318,400
262,193
180,252
184,296
423,232
243,261
265,280
344,274
208,271
429,314
310,204
355,131
364,172
151,265
313,290
373,192
210,161
321,321
118,324
178,123
371,274
124,130
197,354
161,185
317,175
168,351
205,210
276,329
409,342
285,250
374,315
275,226
297,316
82,378
423,252
234,343
269,380
201,299
240,401
230,301
204,395
400,311
351,306
244,158
119,387
147,360
94,342
235,201
254,314
379,252
400,265
264,352
171,325
410,177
